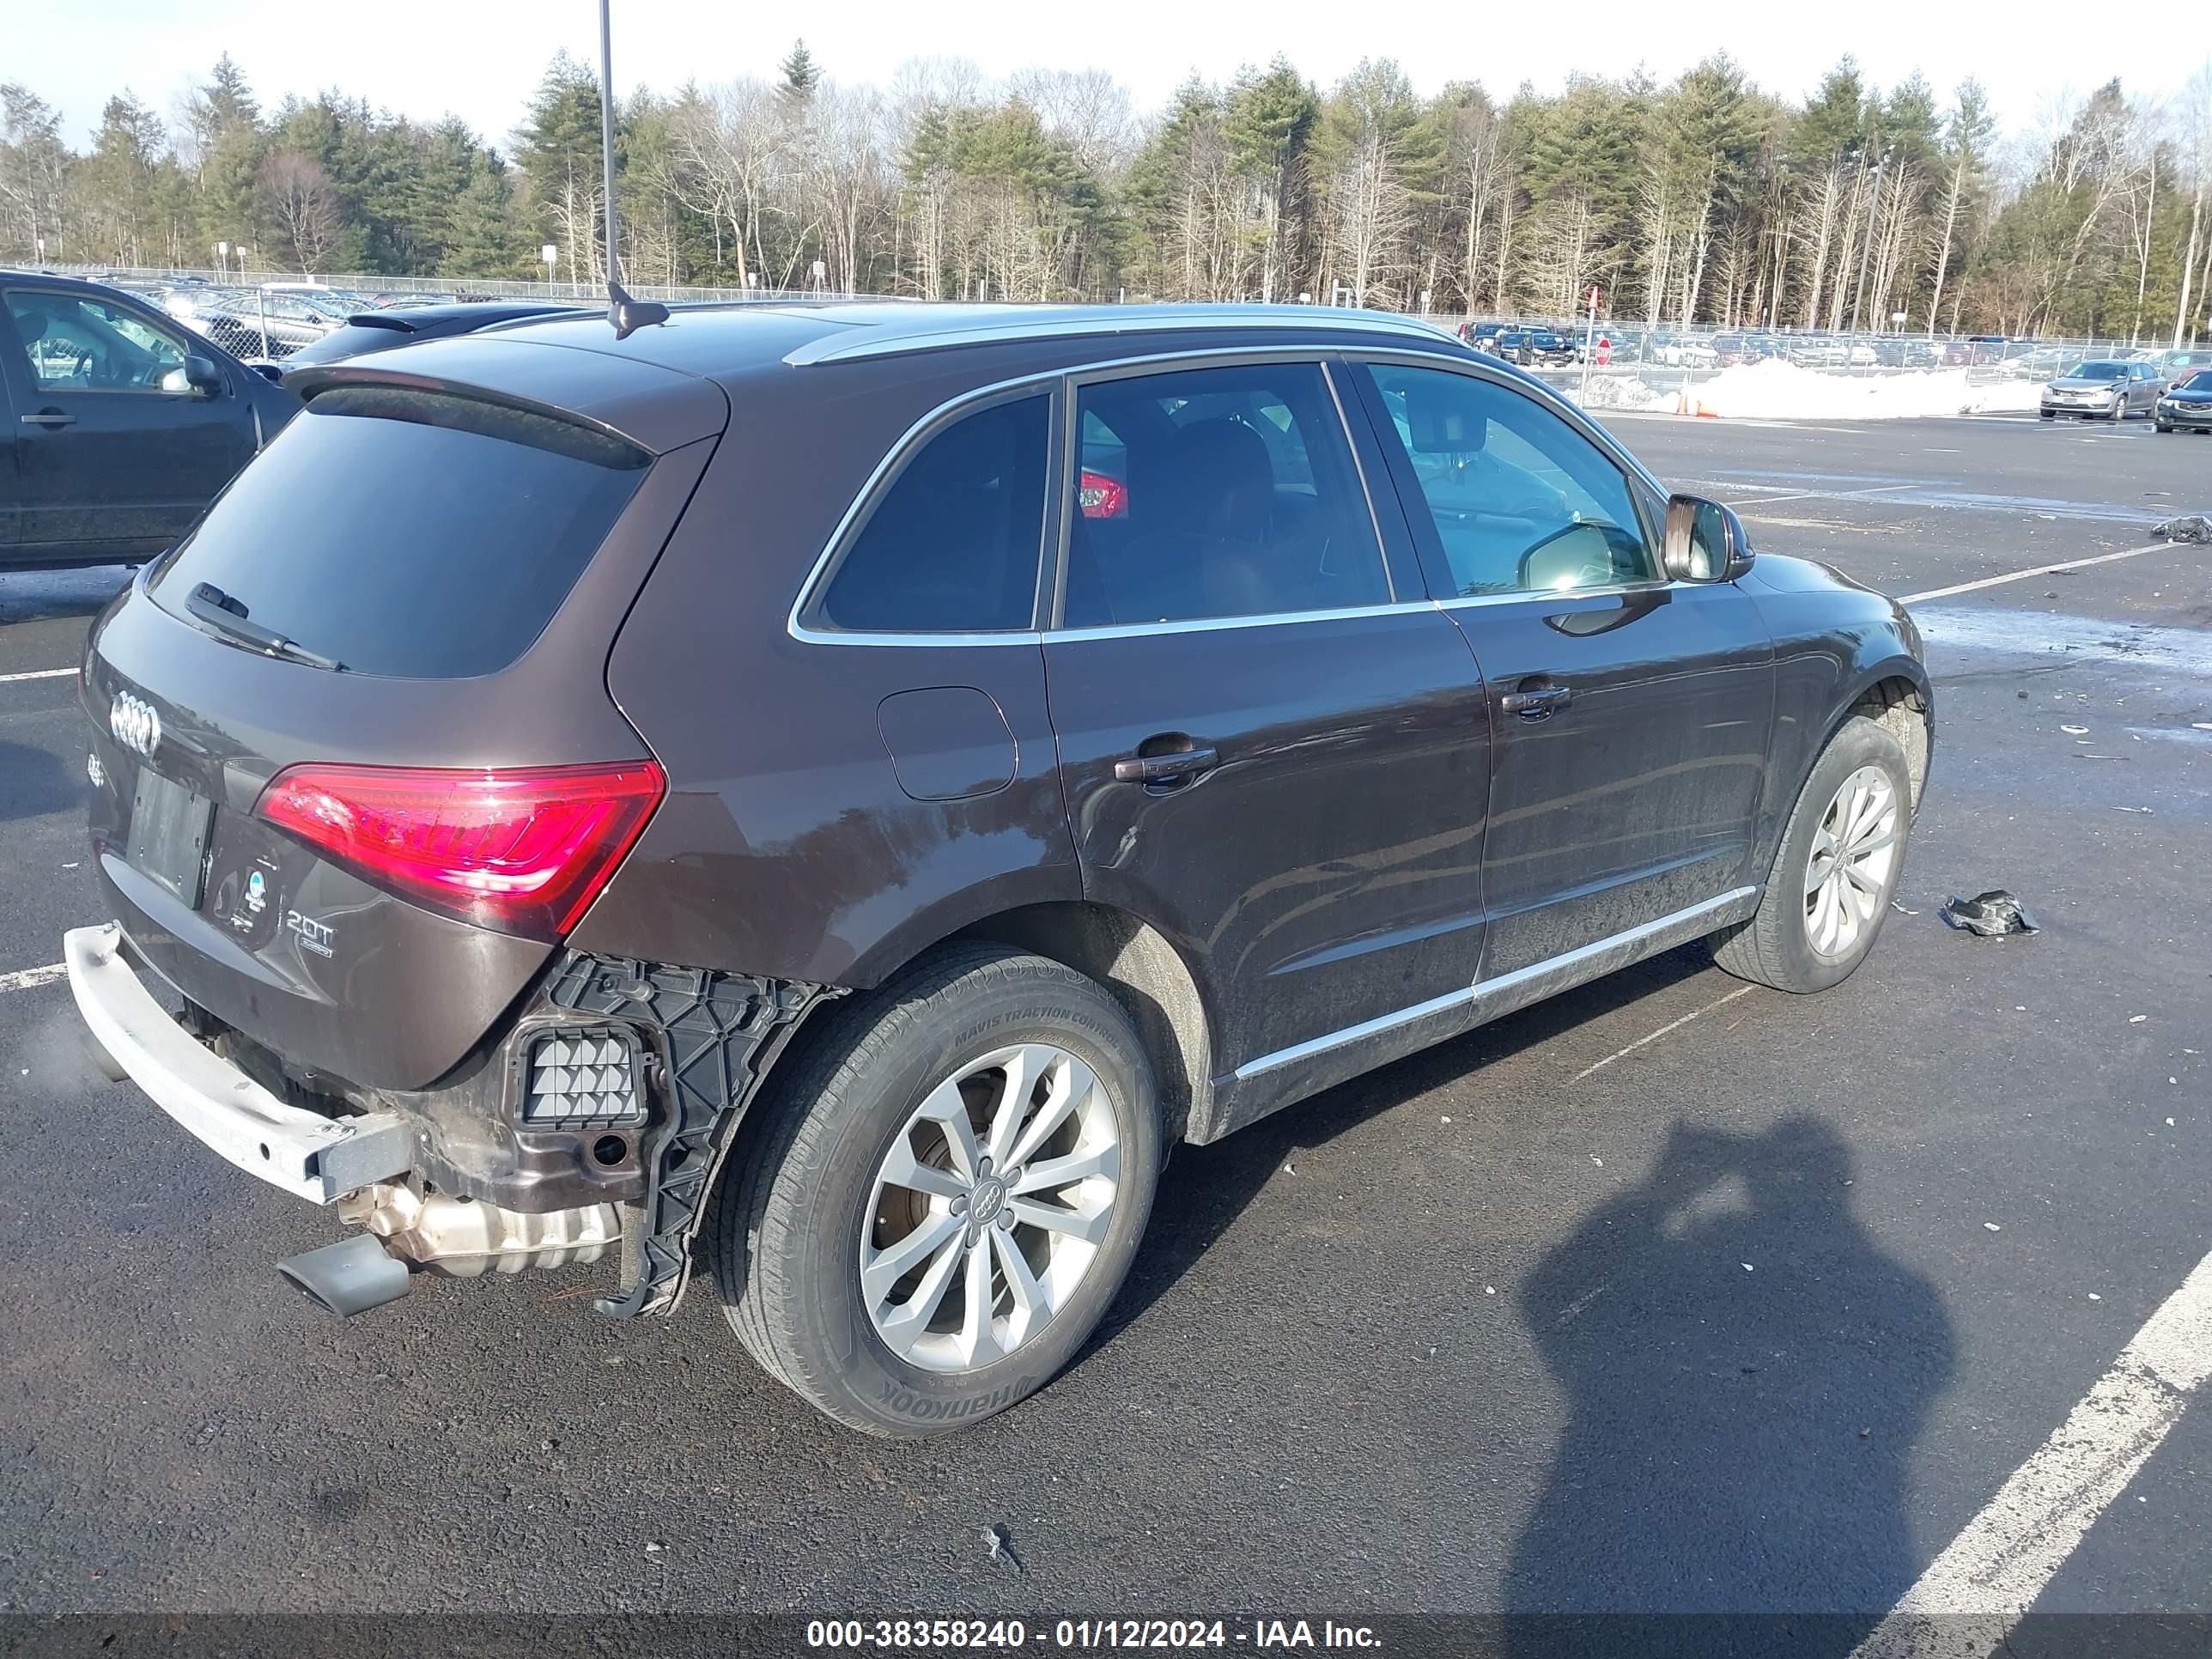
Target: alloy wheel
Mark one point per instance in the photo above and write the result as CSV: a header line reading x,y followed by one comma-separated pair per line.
x,y
989,1207
1855,852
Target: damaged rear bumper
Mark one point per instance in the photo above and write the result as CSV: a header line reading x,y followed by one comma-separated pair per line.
x,y
312,1157
466,1179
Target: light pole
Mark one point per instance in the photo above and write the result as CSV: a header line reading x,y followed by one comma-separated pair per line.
x,y
607,132
1866,248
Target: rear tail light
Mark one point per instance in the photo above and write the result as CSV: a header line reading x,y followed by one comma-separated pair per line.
x,y
521,851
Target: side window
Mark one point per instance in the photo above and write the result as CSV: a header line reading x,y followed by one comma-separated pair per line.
x,y
954,545
1521,503
80,344
1217,493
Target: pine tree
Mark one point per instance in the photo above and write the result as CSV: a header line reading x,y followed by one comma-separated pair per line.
x,y
1269,127
800,73
557,152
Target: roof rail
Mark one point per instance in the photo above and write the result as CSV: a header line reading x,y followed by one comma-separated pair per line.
x,y
936,334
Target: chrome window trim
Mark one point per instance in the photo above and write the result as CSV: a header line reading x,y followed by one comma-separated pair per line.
x,y
1558,595
1482,990
865,500
885,340
1060,382
1210,624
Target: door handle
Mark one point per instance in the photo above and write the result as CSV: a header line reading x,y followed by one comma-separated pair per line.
x,y
1538,702
50,417
1178,767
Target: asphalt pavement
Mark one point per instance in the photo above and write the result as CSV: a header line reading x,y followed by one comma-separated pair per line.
x,y
1666,1296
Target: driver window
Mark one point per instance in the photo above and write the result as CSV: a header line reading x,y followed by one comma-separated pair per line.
x,y
1520,501
81,344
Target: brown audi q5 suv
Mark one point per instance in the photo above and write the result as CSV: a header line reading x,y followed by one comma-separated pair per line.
x,y
832,793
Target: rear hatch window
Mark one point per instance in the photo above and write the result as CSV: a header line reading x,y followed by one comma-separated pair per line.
x,y
418,534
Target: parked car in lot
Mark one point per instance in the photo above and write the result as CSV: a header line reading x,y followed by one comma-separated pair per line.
x,y
1551,346
2175,366
1514,345
121,425
2186,405
380,331
248,323
2103,388
866,916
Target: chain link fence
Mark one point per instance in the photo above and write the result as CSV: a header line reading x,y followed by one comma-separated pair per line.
x,y
270,313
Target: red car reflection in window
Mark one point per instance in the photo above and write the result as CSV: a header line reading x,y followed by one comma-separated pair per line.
x,y
1102,497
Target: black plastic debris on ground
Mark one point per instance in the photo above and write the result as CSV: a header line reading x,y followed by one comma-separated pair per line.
x,y
1991,914
2191,527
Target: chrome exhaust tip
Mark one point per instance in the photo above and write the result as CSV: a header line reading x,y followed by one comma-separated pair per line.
x,y
347,1278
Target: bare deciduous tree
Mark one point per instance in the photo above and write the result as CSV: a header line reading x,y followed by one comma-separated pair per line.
x,y
300,206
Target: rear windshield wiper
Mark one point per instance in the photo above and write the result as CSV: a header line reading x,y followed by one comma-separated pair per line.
x,y
227,616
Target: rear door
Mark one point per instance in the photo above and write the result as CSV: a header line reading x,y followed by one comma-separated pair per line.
x,y
115,455
1272,742
1629,716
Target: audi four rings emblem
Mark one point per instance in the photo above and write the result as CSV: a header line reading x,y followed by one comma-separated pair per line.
x,y
135,724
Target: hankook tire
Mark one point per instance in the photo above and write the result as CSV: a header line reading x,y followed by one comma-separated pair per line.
x,y
948,1194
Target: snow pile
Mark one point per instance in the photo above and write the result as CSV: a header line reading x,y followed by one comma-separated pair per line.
x,y
1621,391
1776,390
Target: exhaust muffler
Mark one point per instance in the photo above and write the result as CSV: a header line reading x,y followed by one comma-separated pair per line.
x,y
350,1277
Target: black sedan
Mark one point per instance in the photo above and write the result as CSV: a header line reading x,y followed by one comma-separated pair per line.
x,y
1548,346
124,423
2187,404
380,331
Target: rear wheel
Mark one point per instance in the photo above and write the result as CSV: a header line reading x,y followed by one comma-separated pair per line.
x,y
1836,871
2163,425
949,1197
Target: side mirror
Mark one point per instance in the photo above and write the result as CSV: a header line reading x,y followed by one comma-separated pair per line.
x,y
1705,541
198,377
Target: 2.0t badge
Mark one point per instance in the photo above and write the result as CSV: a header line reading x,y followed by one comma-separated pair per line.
x,y
134,724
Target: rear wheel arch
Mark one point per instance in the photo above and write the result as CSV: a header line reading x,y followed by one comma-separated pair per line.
x,y
1133,961
1146,974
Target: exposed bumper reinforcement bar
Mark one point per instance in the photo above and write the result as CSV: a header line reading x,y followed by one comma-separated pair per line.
x,y
316,1157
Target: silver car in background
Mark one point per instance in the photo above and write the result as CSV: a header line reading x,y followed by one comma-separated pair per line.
x,y
2103,388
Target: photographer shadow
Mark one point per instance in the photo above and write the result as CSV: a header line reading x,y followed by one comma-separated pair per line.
x,y
1748,1373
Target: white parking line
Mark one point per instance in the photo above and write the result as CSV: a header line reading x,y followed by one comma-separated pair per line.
x,y
1653,1037
37,674
24,978
1826,495
1972,1594
2038,570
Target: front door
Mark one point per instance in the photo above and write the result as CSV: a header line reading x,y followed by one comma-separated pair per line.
x,y
1629,714
116,454
1273,749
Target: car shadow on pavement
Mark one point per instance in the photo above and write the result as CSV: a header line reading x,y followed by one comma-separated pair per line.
x,y
1747,1374
1205,1188
34,783
1747,1371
